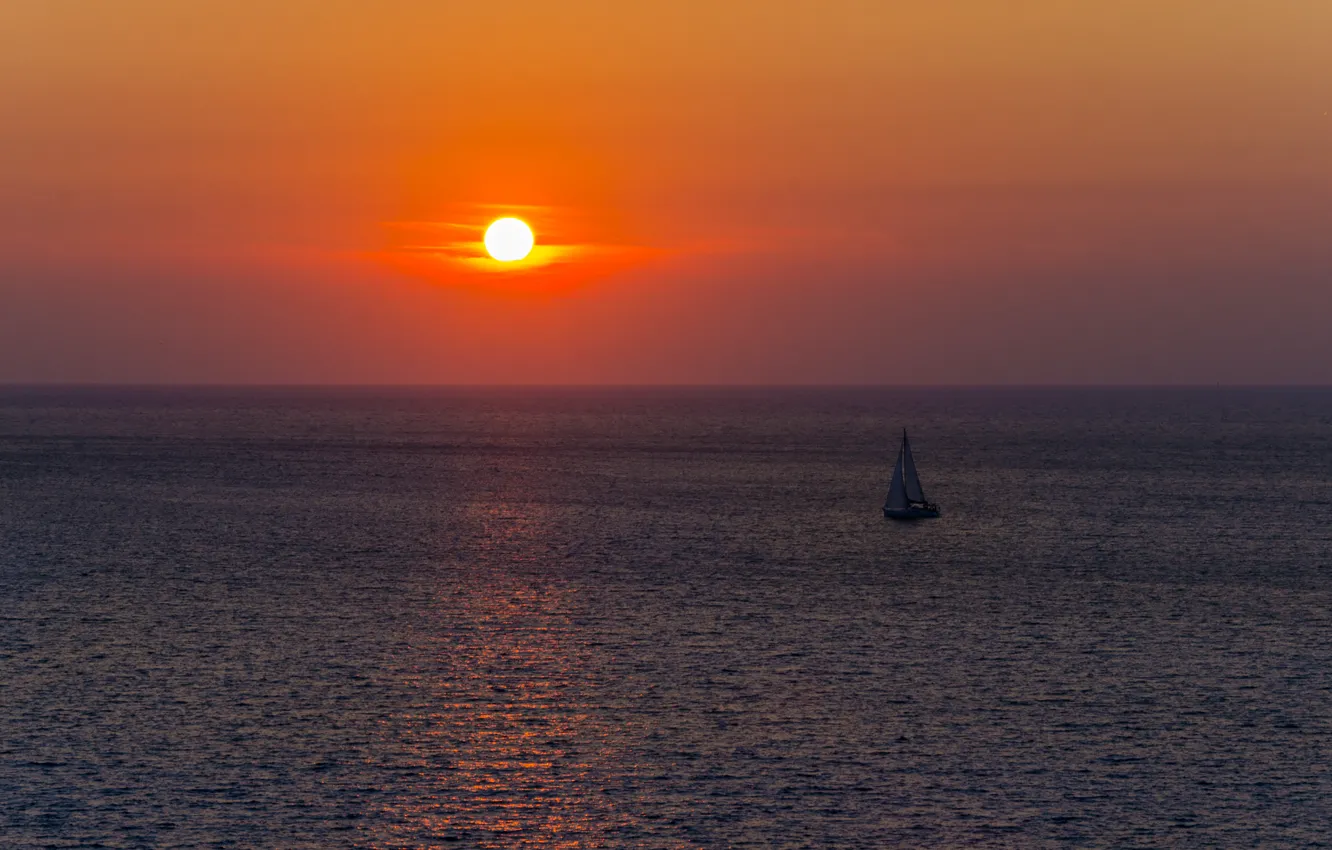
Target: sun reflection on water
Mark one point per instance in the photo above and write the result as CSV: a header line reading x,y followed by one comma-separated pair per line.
x,y
503,738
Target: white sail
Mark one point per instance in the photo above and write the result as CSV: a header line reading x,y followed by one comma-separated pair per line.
x,y
913,488
897,495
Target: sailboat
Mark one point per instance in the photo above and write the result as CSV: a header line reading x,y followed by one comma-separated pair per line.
x,y
906,499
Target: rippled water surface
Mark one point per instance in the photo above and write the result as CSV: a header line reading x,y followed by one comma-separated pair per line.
x,y
406,619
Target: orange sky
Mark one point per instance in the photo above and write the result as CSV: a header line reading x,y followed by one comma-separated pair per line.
x,y
799,192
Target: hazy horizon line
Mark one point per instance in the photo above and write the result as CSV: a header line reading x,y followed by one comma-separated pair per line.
x,y
217,385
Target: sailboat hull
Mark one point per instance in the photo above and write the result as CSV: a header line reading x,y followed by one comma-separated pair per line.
x,y
911,513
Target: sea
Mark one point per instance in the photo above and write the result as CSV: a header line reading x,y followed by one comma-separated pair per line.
x,y
664,618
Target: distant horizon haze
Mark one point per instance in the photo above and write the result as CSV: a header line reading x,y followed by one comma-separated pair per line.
x,y
609,388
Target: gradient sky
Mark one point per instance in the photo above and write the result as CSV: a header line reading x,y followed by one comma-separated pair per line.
x,y
745,192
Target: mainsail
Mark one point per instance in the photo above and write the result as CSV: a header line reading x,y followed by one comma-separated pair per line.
x,y
897,494
913,488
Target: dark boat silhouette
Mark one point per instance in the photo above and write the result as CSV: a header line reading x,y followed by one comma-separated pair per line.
x,y
906,498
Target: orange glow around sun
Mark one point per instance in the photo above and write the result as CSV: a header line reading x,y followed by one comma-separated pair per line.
x,y
485,244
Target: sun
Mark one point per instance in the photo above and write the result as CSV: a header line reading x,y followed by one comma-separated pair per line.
x,y
509,239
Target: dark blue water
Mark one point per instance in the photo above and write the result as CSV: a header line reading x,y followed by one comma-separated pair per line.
x,y
289,619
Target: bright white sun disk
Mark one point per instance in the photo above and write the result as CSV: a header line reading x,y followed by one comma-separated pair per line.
x,y
509,239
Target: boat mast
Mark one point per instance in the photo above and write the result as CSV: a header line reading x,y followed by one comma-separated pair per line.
x,y
914,491
897,492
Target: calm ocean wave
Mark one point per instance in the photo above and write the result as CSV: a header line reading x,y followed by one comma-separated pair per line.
x,y
632,618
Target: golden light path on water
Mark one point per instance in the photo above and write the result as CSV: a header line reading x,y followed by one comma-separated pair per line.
x,y
501,732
